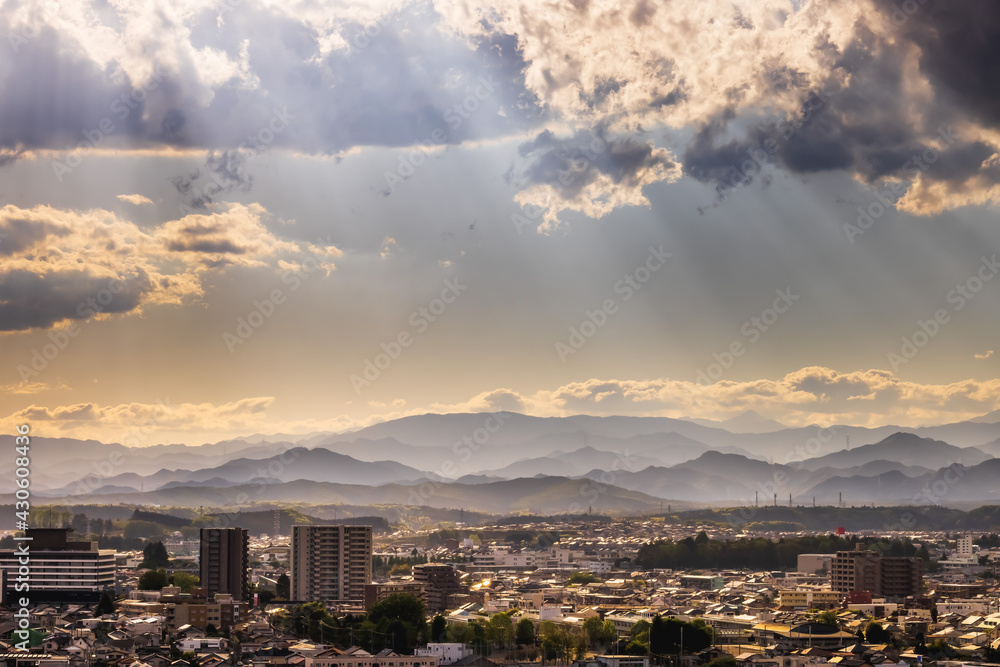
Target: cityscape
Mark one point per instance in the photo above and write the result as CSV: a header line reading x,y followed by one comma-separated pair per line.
x,y
499,333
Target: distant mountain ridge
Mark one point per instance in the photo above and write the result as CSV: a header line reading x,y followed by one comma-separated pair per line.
x,y
664,458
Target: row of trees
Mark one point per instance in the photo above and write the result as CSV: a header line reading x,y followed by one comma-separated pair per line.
x,y
154,580
397,622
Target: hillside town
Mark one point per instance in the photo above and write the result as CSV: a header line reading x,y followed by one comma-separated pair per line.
x,y
584,592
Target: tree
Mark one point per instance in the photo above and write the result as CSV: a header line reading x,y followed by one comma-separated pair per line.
x,y
658,644
525,632
599,633
143,529
582,578
400,570
283,587
669,635
153,580
403,615
398,636
500,630
106,604
155,555
592,629
439,628
459,633
185,581
828,617
934,614
264,598
560,641
876,634
406,607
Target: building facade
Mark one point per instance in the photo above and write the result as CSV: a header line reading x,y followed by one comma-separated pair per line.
x,y
862,570
330,562
814,562
439,581
375,592
224,559
60,571
809,599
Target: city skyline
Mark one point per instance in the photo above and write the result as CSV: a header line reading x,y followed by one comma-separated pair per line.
x,y
259,217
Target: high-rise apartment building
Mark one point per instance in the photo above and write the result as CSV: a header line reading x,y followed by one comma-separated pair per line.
x,y
60,571
225,560
863,570
900,577
330,563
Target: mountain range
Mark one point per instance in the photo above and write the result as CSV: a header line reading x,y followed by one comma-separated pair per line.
x,y
508,462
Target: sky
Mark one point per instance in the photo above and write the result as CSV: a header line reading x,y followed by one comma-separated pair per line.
x,y
250,216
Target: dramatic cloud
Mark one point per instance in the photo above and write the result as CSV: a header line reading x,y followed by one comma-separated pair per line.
x,y
806,397
318,79
64,265
891,94
587,172
813,395
142,424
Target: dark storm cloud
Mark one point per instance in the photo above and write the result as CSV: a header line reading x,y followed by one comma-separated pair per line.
x,y
571,163
959,49
31,300
865,122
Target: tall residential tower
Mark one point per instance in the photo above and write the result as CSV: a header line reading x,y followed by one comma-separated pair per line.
x,y
330,563
225,562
